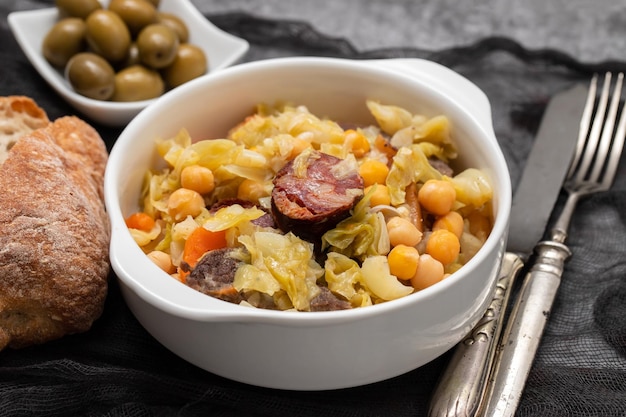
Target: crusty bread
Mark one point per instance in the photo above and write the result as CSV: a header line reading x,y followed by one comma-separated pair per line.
x,y
54,233
18,115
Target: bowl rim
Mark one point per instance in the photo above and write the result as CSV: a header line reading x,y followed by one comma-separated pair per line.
x,y
495,242
22,22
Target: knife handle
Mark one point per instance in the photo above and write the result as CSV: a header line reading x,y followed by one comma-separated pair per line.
x,y
462,385
520,340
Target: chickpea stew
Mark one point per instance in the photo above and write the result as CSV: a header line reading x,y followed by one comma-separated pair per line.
x,y
292,211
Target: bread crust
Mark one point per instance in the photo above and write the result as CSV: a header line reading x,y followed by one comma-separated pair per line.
x,y
54,234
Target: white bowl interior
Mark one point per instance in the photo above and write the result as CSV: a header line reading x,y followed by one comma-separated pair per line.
x,y
30,28
207,108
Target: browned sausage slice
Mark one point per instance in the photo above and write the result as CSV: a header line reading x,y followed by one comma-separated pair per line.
x,y
314,192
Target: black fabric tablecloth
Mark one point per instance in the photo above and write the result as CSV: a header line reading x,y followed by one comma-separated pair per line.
x,y
118,369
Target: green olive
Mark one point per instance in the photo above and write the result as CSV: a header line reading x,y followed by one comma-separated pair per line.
x,y
132,58
137,14
78,8
107,35
176,23
190,62
90,75
157,45
137,83
65,39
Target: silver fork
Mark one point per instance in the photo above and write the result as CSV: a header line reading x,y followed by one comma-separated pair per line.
x,y
592,170
598,151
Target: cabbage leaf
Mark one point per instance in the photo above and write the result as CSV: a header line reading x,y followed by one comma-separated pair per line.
x,y
410,165
280,263
379,280
360,235
472,187
343,276
231,216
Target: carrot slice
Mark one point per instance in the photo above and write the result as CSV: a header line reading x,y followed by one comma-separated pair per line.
x,y
201,241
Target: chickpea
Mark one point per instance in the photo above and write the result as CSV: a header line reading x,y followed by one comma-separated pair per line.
x,y
402,232
452,222
403,261
437,196
429,271
184,202
162,260
250,190
197,178
380,196
443,245
373,172
357,143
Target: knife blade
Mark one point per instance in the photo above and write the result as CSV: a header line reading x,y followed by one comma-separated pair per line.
x,y
462,386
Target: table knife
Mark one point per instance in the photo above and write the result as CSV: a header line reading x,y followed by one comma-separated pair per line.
x,y
462,386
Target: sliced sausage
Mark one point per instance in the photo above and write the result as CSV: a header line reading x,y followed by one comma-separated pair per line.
x,y
313,193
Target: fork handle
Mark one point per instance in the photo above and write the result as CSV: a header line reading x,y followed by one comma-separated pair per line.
x,y
520,340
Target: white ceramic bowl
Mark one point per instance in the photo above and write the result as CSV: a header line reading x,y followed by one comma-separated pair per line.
x,y
30,28
295,350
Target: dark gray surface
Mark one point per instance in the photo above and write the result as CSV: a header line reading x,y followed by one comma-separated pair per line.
x,y
586,29
589,30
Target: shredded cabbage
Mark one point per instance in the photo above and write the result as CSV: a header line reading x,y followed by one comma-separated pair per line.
x,y
277,266
294,121
362,234
472,187
379,280
231,216
390,118
406,129
143,238
409,165
182,230
280,263
343,276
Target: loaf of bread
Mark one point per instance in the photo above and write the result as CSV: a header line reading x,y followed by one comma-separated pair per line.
x,y
54,231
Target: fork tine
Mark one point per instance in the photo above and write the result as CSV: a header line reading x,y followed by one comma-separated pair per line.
x,y
585,122
616,151
596,129
607,132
